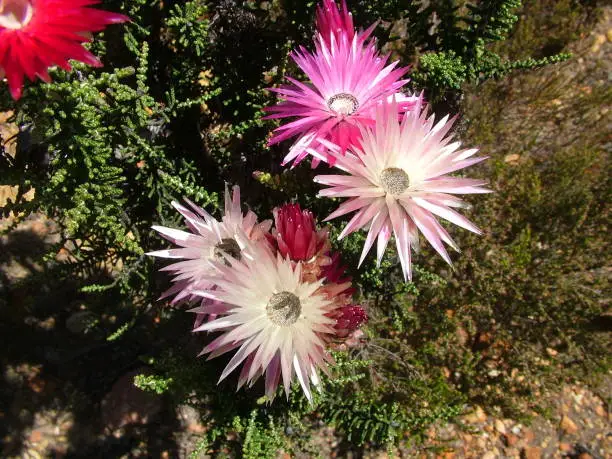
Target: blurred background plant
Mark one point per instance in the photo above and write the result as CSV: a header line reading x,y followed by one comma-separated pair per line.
x,y
176,111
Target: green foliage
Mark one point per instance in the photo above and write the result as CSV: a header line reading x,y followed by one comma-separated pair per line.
x,y
443,70
259,440
458,44
153,383
368,403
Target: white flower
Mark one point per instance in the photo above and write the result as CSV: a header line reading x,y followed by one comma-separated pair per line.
x,y
398,182
209,239
277,322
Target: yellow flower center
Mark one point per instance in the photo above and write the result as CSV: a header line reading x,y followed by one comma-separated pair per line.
x,y
284,309
15,14
394,180
343,104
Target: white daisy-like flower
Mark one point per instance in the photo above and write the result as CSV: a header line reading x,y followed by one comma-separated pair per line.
x,y
232,238
277,322
398,182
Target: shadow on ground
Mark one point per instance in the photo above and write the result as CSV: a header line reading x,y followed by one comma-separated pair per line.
x,y
67,389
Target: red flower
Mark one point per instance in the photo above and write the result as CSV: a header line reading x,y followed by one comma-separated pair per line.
x,y
38,34
295,233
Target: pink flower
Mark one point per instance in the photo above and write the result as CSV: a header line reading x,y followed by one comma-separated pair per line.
x,y
295,233
38,34
348,78
398,182
335,272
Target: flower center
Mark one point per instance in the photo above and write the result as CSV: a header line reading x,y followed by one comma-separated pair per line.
x,y
343,104
228,246
15,14
284,309
394,180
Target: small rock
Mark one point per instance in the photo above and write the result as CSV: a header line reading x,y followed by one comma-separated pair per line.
x,y
477,416
512,159
578,398
81,322
462,336
599,40
489,455
552,352
529,436
126,404
511,439
532,452
565,447
585,456
36,436
601,411
189,419
512,453
568,425
499,426
609,35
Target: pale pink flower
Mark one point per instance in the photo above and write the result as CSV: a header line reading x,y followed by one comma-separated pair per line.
x,y
208,239
347,79
398,182
278,323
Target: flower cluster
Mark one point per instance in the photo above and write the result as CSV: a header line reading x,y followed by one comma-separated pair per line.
x,y
275,291
396,159
278,295
38,34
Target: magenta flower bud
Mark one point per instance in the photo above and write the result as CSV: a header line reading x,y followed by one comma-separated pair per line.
x,y
295,233
349,319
